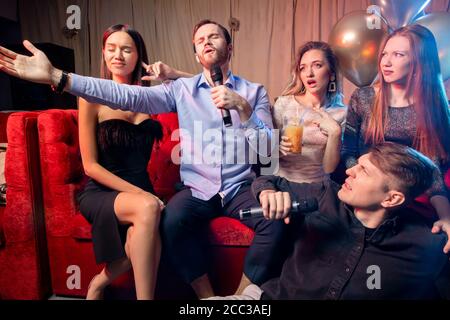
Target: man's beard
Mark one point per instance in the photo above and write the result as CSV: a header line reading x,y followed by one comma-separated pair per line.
x,y
221,58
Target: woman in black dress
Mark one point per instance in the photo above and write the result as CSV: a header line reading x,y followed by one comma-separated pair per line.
x,y
115,147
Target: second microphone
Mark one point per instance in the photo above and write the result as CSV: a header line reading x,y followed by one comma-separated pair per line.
x,y
303,206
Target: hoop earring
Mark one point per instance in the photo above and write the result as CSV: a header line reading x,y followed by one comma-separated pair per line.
x,y
332,86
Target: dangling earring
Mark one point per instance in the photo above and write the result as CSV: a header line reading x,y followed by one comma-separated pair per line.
x,y
303,90
332,85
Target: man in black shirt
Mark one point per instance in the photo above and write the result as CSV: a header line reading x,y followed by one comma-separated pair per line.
x,y
363,242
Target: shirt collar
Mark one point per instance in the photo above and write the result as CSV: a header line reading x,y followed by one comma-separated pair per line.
x,y
389,225
230,83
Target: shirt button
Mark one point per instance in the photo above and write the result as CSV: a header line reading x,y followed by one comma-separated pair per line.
x,y
333,293
347,270
358,247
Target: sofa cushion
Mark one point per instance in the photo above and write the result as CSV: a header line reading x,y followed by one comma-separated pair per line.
x,y
229,232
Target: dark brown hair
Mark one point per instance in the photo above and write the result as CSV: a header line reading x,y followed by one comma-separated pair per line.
x,y
411,171
138,71
207,21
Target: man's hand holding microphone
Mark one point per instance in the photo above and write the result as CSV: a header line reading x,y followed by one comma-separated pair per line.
x,y
275,204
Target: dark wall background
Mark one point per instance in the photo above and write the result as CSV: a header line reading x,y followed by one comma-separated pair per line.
x,y
22,95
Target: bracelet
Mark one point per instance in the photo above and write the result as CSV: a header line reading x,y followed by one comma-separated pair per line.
x,y
62,83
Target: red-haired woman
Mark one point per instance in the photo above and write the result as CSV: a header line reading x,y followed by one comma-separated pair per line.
x,y
407,106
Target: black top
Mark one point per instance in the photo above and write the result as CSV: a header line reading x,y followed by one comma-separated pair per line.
x,y
334,257
125,148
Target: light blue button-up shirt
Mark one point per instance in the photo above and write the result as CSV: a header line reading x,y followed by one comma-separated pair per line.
x,y
214,159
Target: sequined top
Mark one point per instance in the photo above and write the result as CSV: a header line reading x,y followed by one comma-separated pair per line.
x,y
308,165
401,128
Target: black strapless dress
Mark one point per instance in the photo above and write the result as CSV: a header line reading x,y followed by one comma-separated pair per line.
x,y
123,149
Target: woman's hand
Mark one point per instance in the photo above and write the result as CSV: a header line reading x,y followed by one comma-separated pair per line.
x,y
36,68
443,225
327,125
285,146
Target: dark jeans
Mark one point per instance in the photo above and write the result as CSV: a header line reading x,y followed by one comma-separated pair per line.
x,y
183,225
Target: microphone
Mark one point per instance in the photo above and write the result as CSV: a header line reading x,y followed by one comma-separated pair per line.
x,y
217,78
304,206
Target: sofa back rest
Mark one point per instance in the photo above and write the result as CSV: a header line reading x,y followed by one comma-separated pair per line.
x,y
62,169
163,173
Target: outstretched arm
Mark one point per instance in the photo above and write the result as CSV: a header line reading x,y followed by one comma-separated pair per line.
x,y
37,68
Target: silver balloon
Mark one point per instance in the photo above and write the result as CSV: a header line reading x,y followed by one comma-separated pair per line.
x,y
399,13
439,24
356,43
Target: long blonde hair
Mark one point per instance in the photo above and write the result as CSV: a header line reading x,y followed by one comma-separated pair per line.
x,y
296,86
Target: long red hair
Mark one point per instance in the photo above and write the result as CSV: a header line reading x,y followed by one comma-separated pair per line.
x,y
426,88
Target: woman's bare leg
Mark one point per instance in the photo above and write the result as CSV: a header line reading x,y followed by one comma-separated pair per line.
x,y
143,245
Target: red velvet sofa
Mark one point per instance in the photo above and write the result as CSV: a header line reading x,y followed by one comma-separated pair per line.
x,y
24,271
68,233
24,261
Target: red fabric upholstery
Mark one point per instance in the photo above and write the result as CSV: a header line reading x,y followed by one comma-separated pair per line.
x,y
3,121
62,178
24,270
163,173
2,234
422,203
68,233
